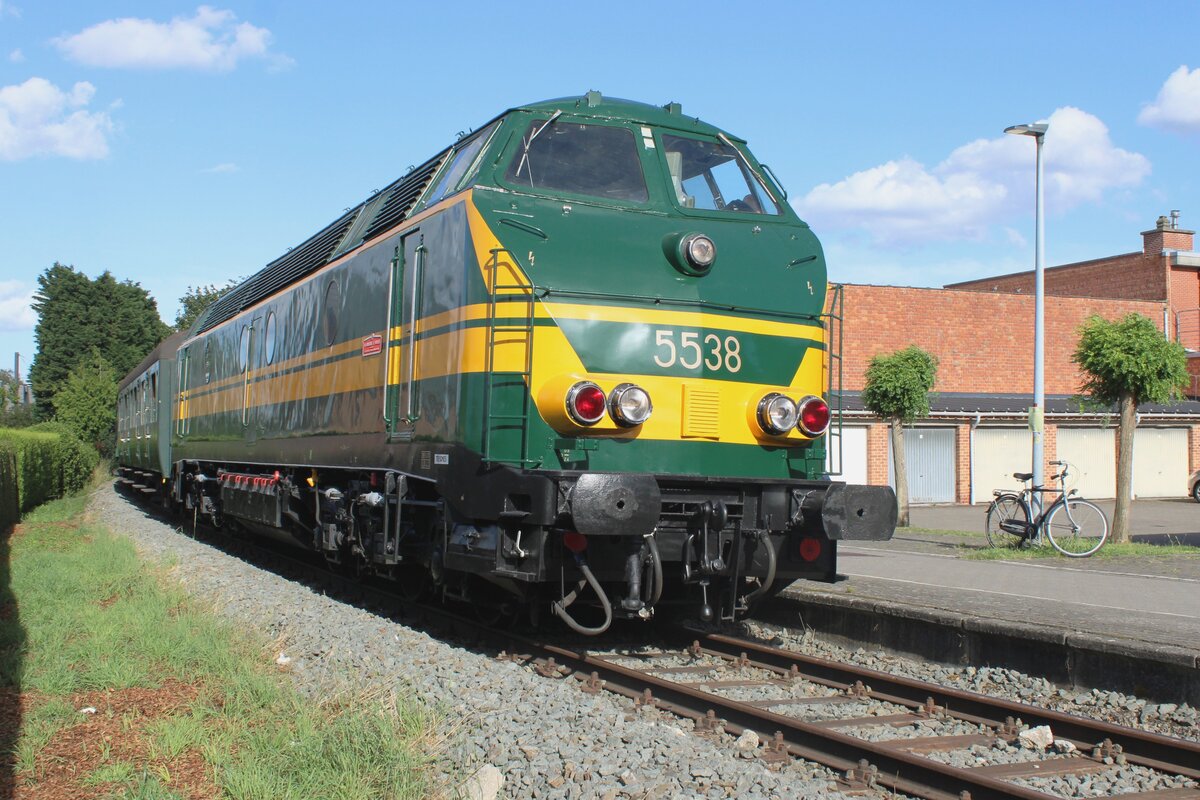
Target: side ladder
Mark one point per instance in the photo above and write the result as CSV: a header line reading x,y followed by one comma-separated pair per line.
x,y
509,324
831,320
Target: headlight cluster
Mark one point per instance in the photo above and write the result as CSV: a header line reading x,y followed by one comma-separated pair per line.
x,y
778,414
628,404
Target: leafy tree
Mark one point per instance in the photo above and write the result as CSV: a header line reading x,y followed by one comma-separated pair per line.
x,y
897,389
86,403
195,301
1129,362
77,314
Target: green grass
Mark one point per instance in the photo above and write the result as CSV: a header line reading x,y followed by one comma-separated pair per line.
x,y
1108,551
91,617
942,532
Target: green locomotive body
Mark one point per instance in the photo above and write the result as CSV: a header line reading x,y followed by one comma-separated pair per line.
x,y
586,344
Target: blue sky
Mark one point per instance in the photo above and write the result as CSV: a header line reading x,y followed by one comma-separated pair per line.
x,y
176,144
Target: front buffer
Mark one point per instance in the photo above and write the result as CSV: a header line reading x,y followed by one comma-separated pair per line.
x,y
643,540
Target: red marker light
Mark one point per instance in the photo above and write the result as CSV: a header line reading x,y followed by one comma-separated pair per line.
x,y
810,549
814,416
585,403
574,541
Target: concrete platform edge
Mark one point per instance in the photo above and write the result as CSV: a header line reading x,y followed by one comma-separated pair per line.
x,y
1068,658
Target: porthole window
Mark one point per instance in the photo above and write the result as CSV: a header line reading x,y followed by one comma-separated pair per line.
x,y
207,362
244,350
269,344
329,315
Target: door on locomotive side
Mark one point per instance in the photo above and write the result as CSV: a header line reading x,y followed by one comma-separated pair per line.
x,y
402,400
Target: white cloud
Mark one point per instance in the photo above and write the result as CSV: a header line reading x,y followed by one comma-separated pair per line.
x,y
221,168
16,56
39,119
16,307
211,40
977,186
8,10
1177,106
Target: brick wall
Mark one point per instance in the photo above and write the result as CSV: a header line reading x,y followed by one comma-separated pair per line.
x,y
1185,306
1132,276
962,465
983,340
877,454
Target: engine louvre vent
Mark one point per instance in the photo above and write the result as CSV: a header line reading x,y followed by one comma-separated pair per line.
x,y
701,412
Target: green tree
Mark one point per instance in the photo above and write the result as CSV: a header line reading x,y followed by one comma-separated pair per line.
x,y
77,314
86,403
1129,362
195,301
897,390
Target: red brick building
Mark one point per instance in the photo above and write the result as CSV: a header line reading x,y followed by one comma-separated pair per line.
x,y
982,334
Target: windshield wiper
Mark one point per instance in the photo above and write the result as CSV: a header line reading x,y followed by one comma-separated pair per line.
x,y
529,143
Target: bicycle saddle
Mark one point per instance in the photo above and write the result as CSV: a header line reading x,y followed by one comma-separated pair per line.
x,y
1023,476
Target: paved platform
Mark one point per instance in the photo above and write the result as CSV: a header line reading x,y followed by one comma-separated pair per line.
x,y
1130,624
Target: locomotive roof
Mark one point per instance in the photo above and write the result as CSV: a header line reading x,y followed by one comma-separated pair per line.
x,y
167,347
393,204
593,104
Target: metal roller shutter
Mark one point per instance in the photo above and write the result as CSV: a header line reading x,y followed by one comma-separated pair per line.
x,y
929,456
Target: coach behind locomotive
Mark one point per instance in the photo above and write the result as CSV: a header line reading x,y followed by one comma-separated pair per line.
x,y
585,346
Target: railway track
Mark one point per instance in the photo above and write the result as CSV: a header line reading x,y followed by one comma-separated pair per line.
x,y
816,709
883,733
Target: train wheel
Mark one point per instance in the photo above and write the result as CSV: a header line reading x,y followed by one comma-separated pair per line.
x,y
492,607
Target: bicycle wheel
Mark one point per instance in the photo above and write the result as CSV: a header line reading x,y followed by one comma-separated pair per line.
x,y
1077,528
1007,519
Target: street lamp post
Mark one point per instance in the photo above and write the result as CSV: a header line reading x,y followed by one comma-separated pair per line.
x,y
1037,413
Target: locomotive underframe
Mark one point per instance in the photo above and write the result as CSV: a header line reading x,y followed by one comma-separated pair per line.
x,y
648,541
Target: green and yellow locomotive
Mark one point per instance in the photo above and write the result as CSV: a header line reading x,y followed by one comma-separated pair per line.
x,y
577,359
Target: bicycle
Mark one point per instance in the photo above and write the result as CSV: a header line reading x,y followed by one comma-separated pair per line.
x,y
1074,526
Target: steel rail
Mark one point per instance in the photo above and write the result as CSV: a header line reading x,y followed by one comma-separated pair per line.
x,y
1140,747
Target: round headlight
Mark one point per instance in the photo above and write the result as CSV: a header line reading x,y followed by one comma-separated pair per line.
x,y
700,251
776,414
813,415
630,405
585,403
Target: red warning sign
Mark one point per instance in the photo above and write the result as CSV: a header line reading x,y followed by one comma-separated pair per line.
x,y
372,345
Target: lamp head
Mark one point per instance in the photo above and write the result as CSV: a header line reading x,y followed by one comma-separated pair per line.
x,y
1036,129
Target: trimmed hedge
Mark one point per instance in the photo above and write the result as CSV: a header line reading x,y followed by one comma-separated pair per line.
x,y
10,504
39,464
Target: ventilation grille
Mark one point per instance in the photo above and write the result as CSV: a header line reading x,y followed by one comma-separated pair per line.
x,y
402,194
323,247
701,412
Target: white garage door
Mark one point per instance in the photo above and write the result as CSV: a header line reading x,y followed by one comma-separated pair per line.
x,y
997,454
1091,454
1160,462
854,456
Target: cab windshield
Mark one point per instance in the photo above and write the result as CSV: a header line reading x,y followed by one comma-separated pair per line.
x,y
711,175
594,160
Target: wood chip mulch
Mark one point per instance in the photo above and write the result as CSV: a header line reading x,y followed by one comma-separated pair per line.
x,y
117,732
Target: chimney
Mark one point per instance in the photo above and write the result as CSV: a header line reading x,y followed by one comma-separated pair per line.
x,y
1167,235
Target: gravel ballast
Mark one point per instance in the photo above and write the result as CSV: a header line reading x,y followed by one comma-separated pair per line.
x,y
538,737
546,738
